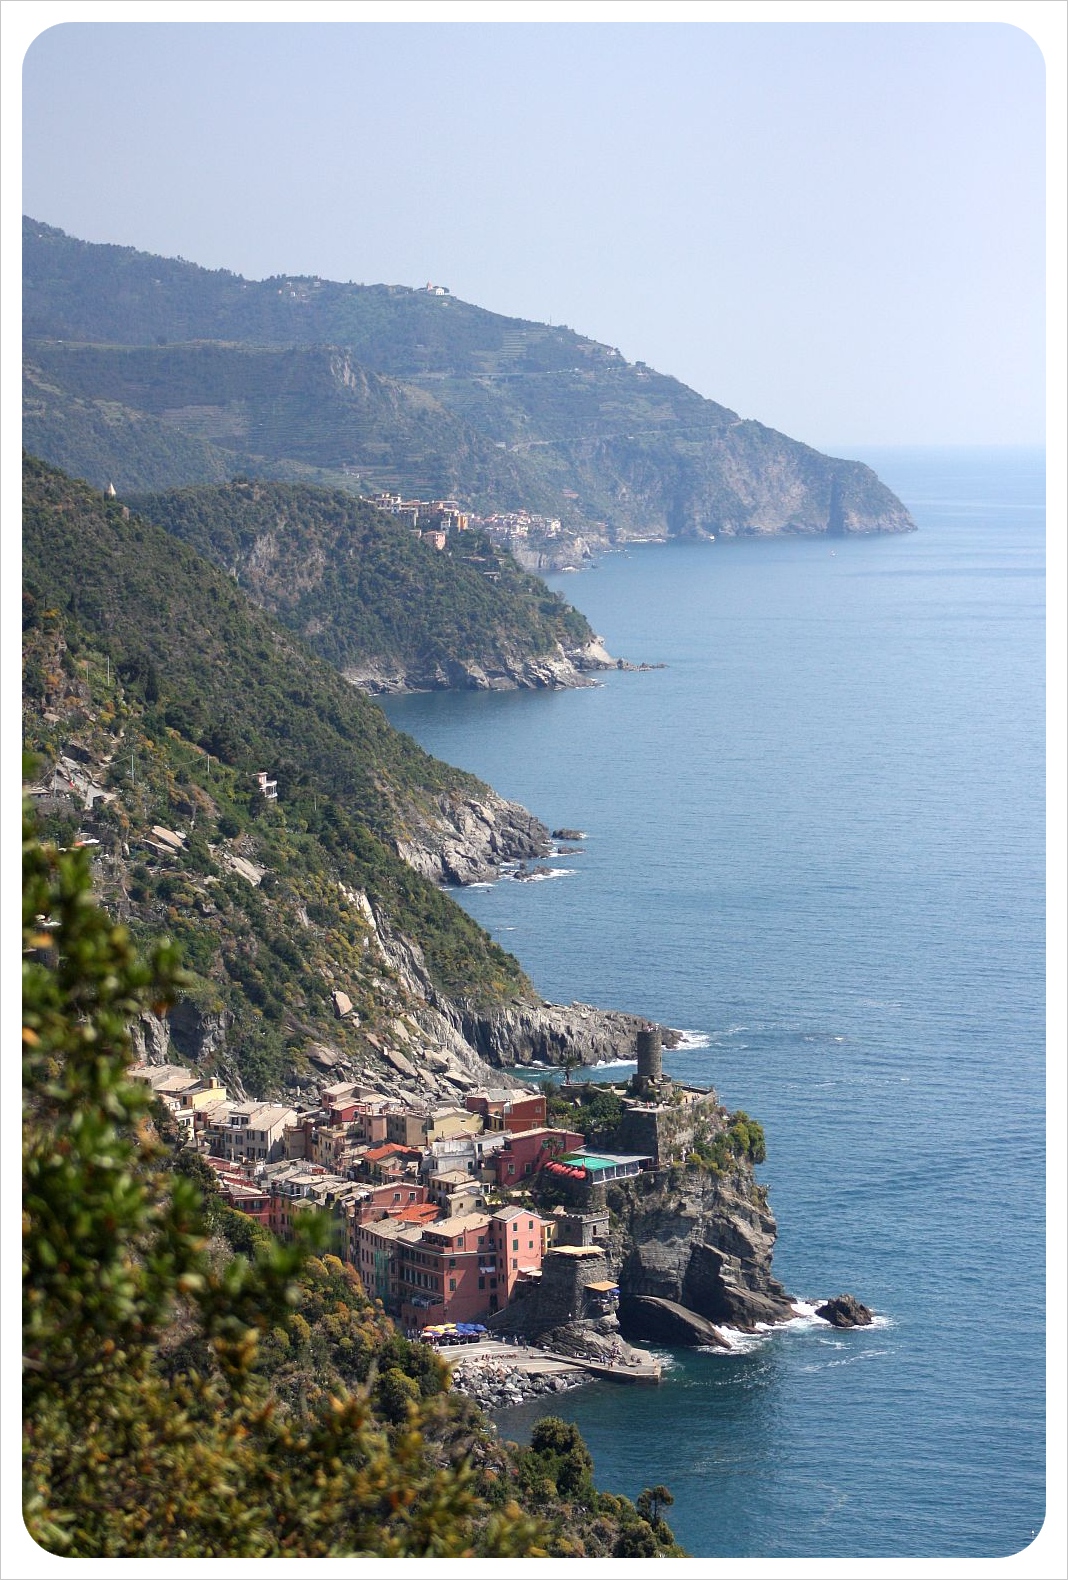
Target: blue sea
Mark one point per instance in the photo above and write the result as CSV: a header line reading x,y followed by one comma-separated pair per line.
x,y
815,842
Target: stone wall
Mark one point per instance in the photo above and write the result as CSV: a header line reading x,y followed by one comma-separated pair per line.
x,y
559,1297
665,1132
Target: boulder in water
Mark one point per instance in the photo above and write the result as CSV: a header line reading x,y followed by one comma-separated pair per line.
x,y
845,1311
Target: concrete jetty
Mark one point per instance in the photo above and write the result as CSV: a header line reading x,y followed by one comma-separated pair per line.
x,y
642,1368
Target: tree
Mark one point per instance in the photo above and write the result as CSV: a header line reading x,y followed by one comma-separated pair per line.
x,y
126,1455
651,1500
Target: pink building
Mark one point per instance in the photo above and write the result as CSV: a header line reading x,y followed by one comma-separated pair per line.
x,y
528,1151
464,1269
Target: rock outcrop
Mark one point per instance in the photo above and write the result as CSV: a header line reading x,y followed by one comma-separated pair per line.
x,y
700,1240
557,669
845,1311
468,840
666,1322
534,1033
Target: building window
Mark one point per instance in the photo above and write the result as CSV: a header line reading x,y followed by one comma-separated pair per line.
x,y
515,1245
452,1284
482,1283
514,1262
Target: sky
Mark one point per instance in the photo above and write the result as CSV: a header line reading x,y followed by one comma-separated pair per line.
x,y
836,229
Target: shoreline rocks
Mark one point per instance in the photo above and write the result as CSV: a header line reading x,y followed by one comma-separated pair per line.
x,y
845,1311
497,1384
560,669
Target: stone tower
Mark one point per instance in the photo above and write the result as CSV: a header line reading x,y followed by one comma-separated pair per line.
x,y
650,1058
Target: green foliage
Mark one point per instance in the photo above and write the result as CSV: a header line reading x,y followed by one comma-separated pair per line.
x,y
128,1451
593,1109
350,786
741,1140
361,587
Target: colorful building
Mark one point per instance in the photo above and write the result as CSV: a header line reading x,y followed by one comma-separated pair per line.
x,y
529,1151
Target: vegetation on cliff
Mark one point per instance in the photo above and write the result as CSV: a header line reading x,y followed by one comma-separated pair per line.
x,y
150,663
361,588
410,389
183,1401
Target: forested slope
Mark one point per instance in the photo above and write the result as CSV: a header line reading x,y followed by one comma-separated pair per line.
x,y
368,595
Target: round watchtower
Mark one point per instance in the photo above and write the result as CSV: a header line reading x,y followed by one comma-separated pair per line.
x,y
650,1056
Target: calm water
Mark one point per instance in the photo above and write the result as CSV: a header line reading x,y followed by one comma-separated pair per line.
x,y
816,843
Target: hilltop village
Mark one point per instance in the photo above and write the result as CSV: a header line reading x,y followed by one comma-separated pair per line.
x,y
524,534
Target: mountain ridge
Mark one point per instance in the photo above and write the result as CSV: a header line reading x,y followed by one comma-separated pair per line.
x,y
511,414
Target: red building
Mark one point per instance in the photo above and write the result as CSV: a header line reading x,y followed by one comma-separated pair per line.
x,y
527,1152
463,1269
392,1199
506,1110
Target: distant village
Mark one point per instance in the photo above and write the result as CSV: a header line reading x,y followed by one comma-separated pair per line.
x,y
431,1204
436,520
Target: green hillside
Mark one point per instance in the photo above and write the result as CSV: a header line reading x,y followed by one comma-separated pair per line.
x,y
191,1387
282,409
362,588
157,669
426,393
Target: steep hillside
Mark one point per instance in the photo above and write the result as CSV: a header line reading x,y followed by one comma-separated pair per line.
x,y
428,389
292,408
184,1401
155,691
371,598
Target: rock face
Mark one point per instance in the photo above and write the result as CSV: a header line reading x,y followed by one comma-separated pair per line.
x,y
845,1311
467,840
666,1322
699,1240
150,1039
547,1033
196,1033
558,669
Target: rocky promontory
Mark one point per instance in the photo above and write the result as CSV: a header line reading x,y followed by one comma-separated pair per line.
x,y
698,1240
467,839
558,668
532,1032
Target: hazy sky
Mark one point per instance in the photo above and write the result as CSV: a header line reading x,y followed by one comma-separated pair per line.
x,y
836,229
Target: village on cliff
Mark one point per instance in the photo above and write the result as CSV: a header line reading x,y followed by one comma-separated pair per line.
x,y
435,1205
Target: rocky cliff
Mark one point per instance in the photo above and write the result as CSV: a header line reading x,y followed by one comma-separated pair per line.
x,y
539,1033
699,1240
554,670
467,839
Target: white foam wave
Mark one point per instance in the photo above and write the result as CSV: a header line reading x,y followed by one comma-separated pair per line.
x,y
806,1313
738,1343
613,1064
691,1039
743,1343
847,1360
479,885
543,877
